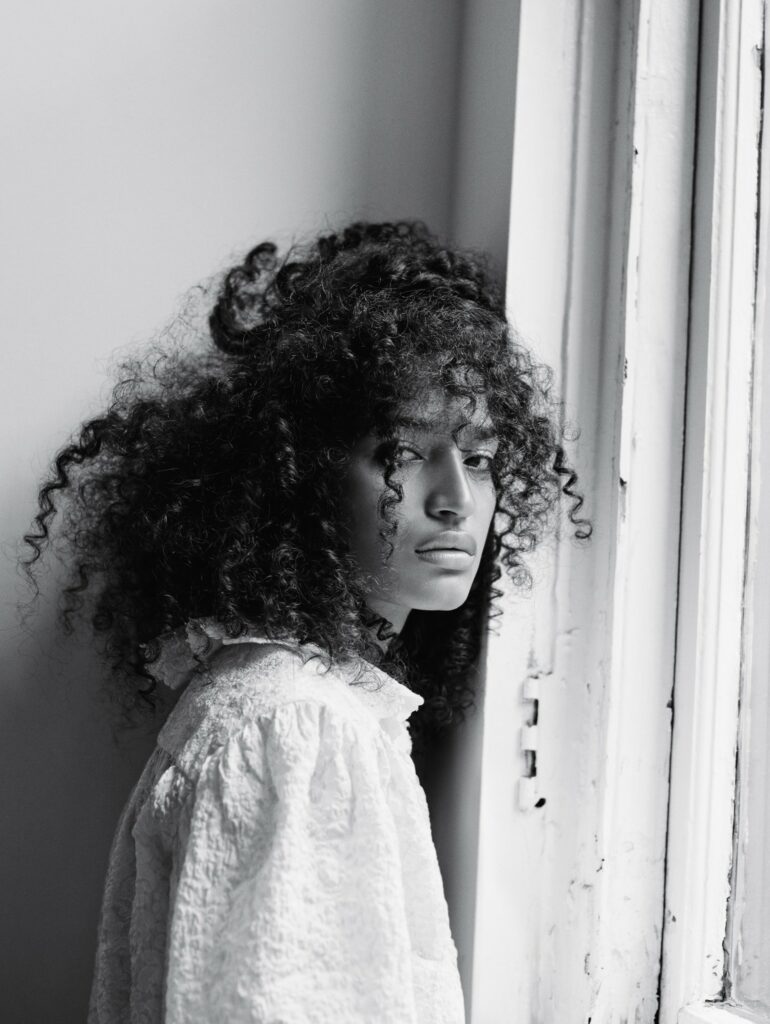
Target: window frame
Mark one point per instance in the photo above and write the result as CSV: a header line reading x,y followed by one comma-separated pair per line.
x,y
616,890
715,548
717,1013
599,250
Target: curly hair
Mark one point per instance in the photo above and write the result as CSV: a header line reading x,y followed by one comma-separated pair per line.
x,y
211,485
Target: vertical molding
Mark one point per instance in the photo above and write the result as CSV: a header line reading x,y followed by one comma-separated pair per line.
x,y
748,939
511,882
637,722
597,283
714,535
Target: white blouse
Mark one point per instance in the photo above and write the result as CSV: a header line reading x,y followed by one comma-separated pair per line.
x,y
274,863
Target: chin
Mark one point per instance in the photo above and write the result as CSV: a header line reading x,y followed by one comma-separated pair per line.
x,y
448,601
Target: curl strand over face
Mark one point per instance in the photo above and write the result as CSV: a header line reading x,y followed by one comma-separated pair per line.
x,y
217,483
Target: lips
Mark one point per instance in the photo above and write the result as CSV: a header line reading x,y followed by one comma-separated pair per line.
x,y
449,540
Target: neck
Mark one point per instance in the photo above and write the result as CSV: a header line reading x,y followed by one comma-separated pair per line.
x,y
383,624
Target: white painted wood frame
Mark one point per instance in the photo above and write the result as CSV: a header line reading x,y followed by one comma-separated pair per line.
x,y
717,1013
710,643
748,941
570,893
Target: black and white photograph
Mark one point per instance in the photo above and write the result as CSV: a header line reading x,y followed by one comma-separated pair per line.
x,y
385,541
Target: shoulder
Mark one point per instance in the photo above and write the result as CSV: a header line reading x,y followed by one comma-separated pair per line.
x,y
248,683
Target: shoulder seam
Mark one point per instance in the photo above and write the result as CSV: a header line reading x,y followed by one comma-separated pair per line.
x,y
241,728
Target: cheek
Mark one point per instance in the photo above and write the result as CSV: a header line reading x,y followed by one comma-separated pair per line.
x,y
486,504
370,550
361,494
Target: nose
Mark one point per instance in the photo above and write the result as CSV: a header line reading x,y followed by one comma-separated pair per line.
x,y
450,494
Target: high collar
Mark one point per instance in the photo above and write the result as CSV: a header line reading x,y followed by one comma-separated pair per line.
x,y
185,649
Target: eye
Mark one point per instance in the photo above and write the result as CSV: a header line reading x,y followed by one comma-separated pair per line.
x,y
397,454
480,462
406,454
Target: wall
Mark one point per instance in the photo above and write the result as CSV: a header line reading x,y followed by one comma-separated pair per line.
x,y
150,143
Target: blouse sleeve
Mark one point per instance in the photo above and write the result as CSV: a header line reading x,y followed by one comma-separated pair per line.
x,y
286,902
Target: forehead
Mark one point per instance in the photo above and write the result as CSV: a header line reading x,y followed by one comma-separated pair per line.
x,y
440,413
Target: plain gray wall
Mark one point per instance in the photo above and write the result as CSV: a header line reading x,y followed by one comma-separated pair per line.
x,y
151,143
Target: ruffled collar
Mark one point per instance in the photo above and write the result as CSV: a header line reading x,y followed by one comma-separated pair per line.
x,y
183,650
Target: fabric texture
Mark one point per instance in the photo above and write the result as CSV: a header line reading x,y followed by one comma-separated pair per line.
x,y
274,863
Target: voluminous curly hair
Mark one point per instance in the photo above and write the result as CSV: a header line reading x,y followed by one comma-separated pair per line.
x,y
212,484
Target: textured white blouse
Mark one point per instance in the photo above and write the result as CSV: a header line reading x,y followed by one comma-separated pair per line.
x,y
274,863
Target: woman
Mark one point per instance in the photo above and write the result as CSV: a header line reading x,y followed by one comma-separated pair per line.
x,y
301,526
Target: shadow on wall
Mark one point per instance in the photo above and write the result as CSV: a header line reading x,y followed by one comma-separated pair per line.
x,y
65,776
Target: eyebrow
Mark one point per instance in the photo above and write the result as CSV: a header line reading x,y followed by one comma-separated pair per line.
x,y
481,432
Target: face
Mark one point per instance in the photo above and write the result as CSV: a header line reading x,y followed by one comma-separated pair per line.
x,y
443,463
